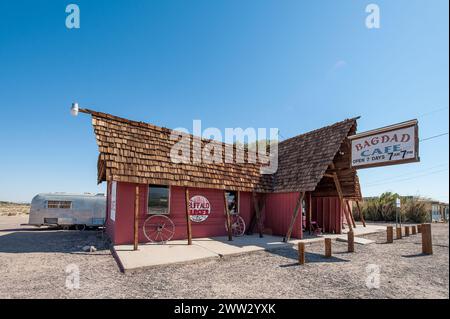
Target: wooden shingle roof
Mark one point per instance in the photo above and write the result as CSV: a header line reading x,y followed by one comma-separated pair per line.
x,y
303,159
138,152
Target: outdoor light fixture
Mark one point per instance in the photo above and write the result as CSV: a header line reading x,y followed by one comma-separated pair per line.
x,y
74,109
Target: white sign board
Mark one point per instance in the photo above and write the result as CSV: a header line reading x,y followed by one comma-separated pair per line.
x,y
113,200
391,145
397,202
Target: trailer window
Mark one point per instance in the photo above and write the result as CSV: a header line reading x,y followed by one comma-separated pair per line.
x,y
158,199
59,204
233,201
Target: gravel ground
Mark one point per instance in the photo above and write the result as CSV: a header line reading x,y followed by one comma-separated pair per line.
x,y
33,264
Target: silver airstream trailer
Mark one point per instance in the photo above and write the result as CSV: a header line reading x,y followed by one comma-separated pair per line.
x,y
65,210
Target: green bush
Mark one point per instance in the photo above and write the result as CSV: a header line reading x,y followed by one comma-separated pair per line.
x,y
415,211
380,209
384,209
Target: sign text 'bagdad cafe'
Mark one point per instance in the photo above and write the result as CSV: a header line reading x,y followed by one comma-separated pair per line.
x,y
390,145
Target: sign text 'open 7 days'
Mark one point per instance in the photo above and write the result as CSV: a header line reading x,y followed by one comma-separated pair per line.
x,y
199,208
390,145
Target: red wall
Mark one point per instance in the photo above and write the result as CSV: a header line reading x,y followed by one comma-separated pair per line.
x,y
121,231
327,212
279,208
277,213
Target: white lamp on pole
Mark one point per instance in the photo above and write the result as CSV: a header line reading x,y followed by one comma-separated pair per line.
x,y
74,109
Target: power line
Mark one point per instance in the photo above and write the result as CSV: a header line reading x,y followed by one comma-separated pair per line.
x,y
409,178
431,137
432,112
402,176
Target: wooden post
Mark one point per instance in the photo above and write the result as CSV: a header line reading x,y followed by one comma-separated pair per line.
x,y
351,213
399,232
406,231
301,253
136,219
309,212
188,218
347,216
390,234
294,216
351,241
361,215
327,247
227,212
258,214
341,197
414,229
427,241
419,228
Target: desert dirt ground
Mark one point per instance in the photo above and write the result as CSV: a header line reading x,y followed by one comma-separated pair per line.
x,y
13,209
33,264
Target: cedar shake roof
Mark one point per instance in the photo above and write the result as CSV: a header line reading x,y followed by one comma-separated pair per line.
x,y
138,152
303,159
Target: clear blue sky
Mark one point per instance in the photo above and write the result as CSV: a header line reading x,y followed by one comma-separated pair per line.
x,y
296,65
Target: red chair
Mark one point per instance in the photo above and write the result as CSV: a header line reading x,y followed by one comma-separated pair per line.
x,y
316,229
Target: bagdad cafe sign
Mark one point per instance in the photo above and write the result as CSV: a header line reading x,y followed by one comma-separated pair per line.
x,y
390,145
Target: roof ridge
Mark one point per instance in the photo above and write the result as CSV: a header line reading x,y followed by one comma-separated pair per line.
x,y
322,128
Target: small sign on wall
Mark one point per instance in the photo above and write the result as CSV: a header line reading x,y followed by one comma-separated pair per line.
x,y
199,208
394,144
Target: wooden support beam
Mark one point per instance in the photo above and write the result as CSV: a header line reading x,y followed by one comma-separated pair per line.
x,y
350,212
188,218
361,215
227,212
341,198
258,215
136,219
414,229
328,175
301,195
301,253
310,212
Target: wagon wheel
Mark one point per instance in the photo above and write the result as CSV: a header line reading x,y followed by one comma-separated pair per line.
x,y
237,226
159,229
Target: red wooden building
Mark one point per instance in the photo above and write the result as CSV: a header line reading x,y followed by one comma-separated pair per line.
x,y
312,186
